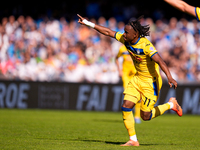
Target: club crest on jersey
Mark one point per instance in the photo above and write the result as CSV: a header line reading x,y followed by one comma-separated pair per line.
x,y
138,52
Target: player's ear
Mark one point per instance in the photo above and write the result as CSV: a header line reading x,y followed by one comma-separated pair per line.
x,y
135,34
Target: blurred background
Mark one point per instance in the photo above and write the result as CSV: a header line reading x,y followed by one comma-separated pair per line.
x,y
42,41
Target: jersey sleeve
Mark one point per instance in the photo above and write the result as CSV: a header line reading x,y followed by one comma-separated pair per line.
x,y
119,37
197,12
150,50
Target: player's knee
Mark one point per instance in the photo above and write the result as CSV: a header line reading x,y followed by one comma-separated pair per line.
x,y
145,116
128,104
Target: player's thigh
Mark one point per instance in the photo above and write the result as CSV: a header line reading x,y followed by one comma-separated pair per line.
x,y
147,103
131,93
150,94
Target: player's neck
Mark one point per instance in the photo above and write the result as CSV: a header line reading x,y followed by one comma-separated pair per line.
x,y
135,41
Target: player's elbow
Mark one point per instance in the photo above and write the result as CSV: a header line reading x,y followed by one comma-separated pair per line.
x,y
183,6
183,9
108,33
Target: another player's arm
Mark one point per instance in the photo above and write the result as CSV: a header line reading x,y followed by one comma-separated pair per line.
x,y
118,66
100,29
165,69
182,6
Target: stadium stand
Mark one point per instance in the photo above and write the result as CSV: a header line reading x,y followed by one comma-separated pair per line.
x,y
59,49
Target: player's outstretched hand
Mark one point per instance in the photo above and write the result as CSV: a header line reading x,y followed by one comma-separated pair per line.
x,y
172,83
83,21
80,19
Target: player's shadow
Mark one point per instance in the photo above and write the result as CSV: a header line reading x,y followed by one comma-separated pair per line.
x,y
117,143
101,141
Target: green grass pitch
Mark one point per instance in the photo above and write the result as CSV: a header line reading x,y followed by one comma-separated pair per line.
x,y
35,129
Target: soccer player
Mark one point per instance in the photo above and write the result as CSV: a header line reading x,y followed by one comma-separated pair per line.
x,y
184,7
145,85
127,72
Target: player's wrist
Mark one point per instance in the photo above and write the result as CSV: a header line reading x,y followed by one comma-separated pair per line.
x,y
88,23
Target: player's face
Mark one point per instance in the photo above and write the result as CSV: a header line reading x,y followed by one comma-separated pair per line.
x,y
129,33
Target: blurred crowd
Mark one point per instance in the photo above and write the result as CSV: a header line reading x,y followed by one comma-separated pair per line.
x,y
65,51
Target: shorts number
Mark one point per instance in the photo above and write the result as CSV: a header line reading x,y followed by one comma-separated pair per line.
x,y
147,102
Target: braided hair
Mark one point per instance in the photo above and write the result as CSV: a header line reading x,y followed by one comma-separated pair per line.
x,y
142,30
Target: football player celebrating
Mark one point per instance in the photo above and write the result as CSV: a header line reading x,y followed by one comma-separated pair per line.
x,y
145,85
184,7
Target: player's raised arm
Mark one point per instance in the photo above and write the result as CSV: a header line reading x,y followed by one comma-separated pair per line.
x,y
100,29
182,6
165,69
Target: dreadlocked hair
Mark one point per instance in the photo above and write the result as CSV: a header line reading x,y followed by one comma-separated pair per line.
x,y
142,30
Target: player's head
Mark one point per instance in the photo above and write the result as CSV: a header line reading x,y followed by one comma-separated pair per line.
x,y
135,30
